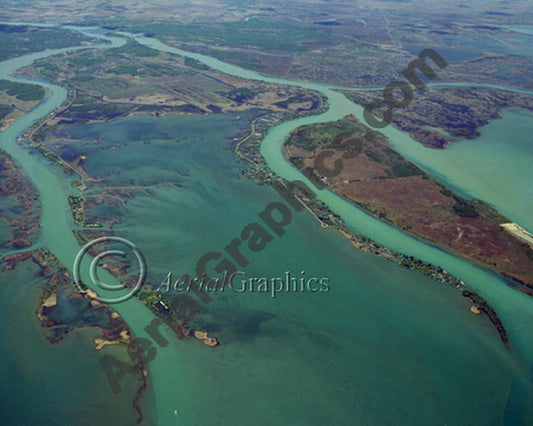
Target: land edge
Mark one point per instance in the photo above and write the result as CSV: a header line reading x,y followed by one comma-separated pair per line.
x,y
326,218
48,263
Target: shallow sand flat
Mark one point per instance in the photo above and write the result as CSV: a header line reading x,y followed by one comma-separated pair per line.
x,y
51,301
100,343
519,232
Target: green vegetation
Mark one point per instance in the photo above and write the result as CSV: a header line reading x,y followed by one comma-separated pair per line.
x,y
408,262
48,67
310,137
404,169
78,213
464,208
241,59
80,238
125,69
87,60
445,191
193,63
51,258
254,33
5,110
473,208
347,135
48,291
336,143
53,261
298,98
241,94
23,92
135,49
491,313
375,156
21,40
82,78
49,155
489,212
76,207
150,298
89,108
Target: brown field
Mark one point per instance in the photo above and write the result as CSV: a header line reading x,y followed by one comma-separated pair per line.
x,y
120,82
458,112
17,107
20,211
364,43
387,186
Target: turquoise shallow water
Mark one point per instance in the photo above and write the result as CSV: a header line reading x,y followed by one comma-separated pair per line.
x,y
385,346
383,336
45,384
496,167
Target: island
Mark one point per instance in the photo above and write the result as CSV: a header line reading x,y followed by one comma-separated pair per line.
x,y
20,209
389,187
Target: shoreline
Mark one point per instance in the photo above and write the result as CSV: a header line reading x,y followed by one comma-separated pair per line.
x,y
265,176
140,393
375,180
59,281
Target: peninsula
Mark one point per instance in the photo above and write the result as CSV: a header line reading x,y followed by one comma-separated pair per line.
x,y
387,186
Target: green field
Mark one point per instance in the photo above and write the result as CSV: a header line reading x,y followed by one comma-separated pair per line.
x,y
266,35
20,40
23,92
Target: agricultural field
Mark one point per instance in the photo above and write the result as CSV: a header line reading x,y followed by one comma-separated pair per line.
x,y
363,44
438,116
16,99
133,79
20,40
386,185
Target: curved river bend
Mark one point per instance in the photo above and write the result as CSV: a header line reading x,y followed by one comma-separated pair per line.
x,y
515,308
